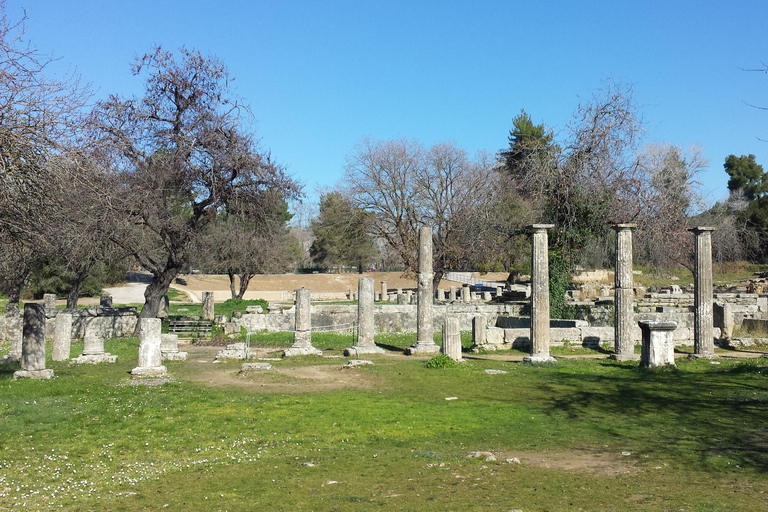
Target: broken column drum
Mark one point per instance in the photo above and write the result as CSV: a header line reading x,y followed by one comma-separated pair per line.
x,y
425,343
33,344
208,310
624,347
302,336
540,295
62,336
150,356
703,328
451,339
365,321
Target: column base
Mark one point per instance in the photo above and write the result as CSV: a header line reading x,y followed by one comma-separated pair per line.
x,y
94,359
539,358
625,357
302,351
357,350
422,347
702,356
33,374
174,356
149,372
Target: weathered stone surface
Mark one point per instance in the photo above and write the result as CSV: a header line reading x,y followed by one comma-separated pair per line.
x,y
465,294
105,301
704,340
356,363
384,291
491,371
255,367
49,300
33,342
658,347
540,295
93,341
624,346
208,312
425,329
478,331
402,299
14,325
169,348
236,351
220,320
150,355
487,296
440,295
254,309
452,294
302,336
62,337
451,339
365,322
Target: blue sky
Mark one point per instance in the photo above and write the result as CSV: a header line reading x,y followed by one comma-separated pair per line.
x,y
322,75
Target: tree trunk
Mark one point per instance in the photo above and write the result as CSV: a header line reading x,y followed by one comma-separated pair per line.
x,y
232,292
14,293
360,268
436,278
74,292
154,294
245,279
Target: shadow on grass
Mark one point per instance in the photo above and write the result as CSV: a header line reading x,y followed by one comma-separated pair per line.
x,y
694,411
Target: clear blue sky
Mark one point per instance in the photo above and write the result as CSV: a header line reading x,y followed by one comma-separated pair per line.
x,y
321,75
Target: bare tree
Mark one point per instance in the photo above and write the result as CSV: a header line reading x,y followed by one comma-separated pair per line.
x,y
179,154
405,186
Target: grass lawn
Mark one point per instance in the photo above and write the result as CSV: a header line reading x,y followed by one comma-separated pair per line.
x,y
591,434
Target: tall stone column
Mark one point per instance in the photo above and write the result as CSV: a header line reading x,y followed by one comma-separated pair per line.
x,y
540,296
465,297
365,321
425,343
33,344
302,336
208,306
703,328
384,292
452,294
624,347
150,355
62,336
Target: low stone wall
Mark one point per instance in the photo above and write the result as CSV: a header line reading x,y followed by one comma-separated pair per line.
x,y
387,318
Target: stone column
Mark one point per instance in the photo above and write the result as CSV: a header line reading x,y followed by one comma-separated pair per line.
x,y
624,347
62,336
14,333
208,306
384,291
365,321
658,346
452,294
486,296
451,338
150,356
33,344
302,336
478,332
351,294
499,291
703,328
425,343
540,296
49,299
402,299
440,295
465,294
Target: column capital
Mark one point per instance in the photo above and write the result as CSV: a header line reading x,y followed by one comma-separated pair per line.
x,y
701,229
540,227
622,227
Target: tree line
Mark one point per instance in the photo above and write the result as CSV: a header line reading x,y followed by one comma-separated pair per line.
x,y
174,179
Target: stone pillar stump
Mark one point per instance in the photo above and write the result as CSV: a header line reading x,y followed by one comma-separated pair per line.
x,y
302,335
33,344
93,345
658,343
150,356
208,313
62,336
169,348
451,338
365,322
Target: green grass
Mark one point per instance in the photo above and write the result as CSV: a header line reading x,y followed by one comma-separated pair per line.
x,y
86,440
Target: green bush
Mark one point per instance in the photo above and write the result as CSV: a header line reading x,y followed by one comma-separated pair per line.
x,y
440,361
